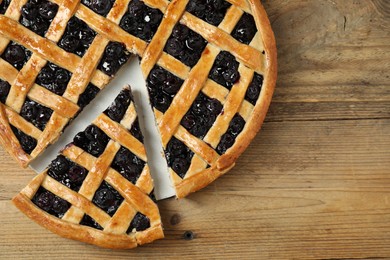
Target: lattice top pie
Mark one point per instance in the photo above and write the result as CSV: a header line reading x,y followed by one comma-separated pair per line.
x,y
99,189
209,66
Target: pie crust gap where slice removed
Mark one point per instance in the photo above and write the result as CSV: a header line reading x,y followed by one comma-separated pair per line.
x,y
99,189
210,68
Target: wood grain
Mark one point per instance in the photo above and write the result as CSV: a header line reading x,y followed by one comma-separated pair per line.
x,y
315,183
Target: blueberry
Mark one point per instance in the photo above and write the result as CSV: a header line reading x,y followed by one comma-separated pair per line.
x,y
77,174
140,222
211,11
45,200
30,11
107,198
60,206
226,142
136,131
188,121
15,54
236,125
4,90
253,91
69,43
180,166
102,7
245,29
88,95
174,47
90,222
48,10
59,166
231,75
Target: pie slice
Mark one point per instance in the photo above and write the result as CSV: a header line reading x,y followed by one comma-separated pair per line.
x,y
210,77
99,189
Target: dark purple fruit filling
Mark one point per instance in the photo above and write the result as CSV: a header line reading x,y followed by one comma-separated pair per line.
x,y
53,78
67,172
178,156
201,116
140,222
225,70
141,20
228,139
35,113
118,108
135,130
50,203
162,86
4,90
92,140
16,55
245,29
37,15
152,196
185,45
27,142
253,91
4,5
90,222
211,11
88,95
101,7
107,198
78,37
128,164
115,55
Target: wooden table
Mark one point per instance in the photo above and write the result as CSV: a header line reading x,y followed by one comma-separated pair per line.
x,y
315,183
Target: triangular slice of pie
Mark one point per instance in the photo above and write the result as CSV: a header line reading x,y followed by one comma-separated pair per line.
x,y
99,189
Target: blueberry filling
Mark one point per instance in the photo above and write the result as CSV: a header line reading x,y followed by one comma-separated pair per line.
x,y
92,140
88,95
201,116
37,15
115,55
185,45
162,86
128,164
27,142
67,172
245,29
90,222
50,203
135,131
4,90
253,91
77,37
4,5
16,55
107,198
54,78
140,222
178,156
228,139
36,114
117,109
141,20
225,70
211,11
101,7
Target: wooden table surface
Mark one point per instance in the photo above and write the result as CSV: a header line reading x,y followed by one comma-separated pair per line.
x,y
315,183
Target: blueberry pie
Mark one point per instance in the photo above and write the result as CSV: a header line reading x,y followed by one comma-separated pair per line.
x,y
99,189
209,66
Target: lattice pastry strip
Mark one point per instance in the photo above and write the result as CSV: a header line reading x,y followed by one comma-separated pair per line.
x,y
97,190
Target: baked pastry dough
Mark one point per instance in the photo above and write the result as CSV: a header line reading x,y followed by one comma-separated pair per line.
x,y
210,67
99,196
